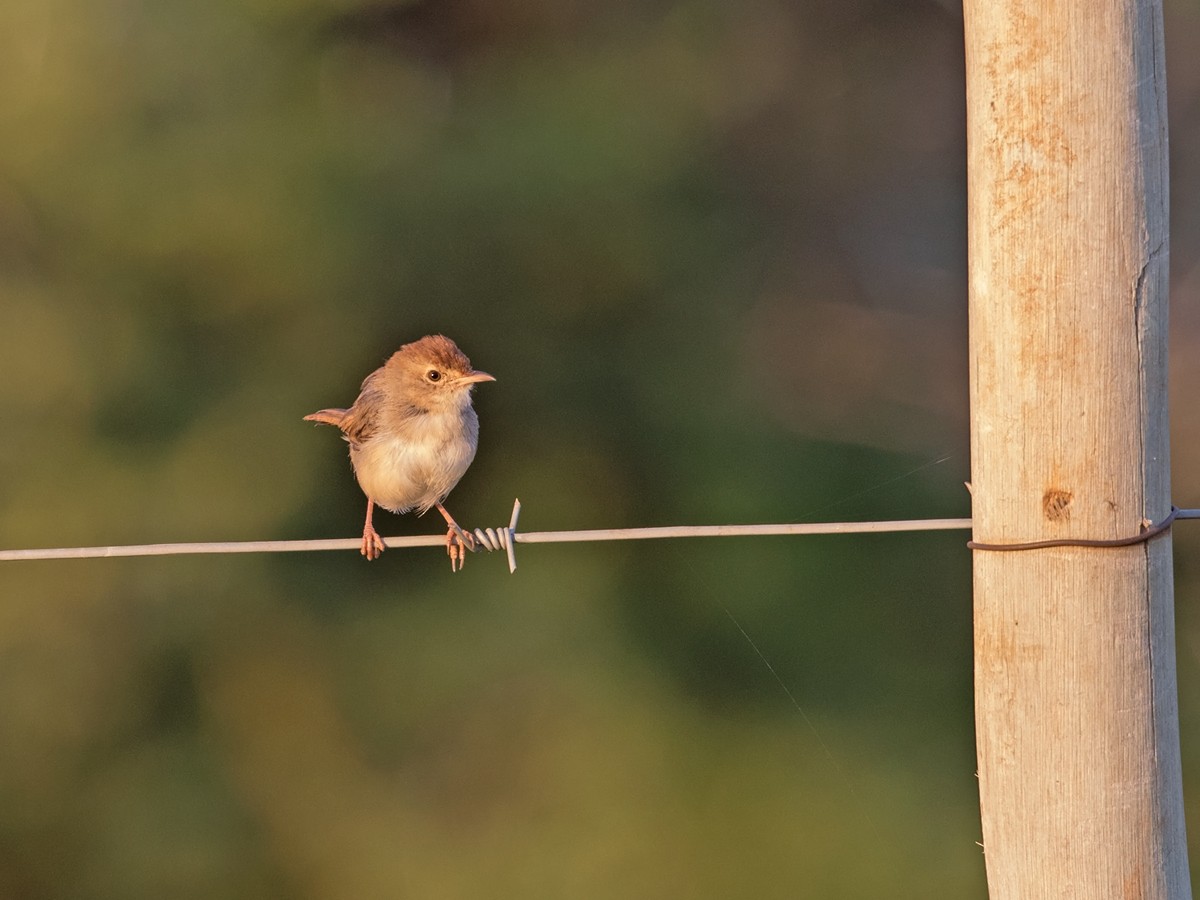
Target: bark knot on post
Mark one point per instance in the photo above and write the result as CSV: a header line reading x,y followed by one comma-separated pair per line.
x,y
1056,504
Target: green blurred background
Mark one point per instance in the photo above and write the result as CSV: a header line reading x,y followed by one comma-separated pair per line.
x,y
714,254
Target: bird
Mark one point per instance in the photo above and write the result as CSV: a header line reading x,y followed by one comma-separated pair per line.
x,y
412,434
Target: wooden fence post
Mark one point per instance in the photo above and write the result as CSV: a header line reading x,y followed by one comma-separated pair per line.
x,y
1076,710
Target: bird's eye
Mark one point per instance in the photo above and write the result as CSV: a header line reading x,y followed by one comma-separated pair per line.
x,y
433,375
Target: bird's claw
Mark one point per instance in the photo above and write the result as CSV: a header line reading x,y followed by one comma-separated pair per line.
x,y
372,544
458,542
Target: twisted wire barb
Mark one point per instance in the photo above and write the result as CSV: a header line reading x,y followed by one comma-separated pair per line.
x,y
506,538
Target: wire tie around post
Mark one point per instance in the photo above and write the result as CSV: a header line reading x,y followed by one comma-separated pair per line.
x,y
1152,531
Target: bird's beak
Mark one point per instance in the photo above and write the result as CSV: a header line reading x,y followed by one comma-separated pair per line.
x,y
475,378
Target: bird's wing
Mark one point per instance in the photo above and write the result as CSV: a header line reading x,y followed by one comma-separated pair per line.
x,y
362,419
371,411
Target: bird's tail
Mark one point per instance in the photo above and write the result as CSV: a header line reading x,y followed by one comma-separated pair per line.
x,y
333,417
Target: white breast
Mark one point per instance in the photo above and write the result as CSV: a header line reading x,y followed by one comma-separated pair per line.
x,y
419,466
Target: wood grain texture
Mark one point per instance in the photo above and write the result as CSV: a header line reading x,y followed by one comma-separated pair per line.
x,y
1076,718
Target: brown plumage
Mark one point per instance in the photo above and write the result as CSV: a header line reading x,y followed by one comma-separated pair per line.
x,y
412,434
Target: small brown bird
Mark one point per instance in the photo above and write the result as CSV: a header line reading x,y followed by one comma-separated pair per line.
x,y
412,434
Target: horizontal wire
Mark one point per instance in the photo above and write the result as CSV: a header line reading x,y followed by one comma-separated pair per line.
x,y
686,531
215,547
522,537
500,538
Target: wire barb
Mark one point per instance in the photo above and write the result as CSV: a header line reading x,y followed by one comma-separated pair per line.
x,y
502,538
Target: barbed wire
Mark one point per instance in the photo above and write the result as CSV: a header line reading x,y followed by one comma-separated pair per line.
x,y
505,538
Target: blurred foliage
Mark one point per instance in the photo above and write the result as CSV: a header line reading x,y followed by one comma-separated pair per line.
x,y
715,255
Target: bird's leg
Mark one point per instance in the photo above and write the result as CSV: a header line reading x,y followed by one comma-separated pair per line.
x,y
372,543
458,542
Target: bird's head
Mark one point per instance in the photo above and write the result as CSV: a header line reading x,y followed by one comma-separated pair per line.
x,y
436,372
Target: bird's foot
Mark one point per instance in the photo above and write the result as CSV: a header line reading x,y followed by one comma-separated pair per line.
x,y
458,542
372,544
